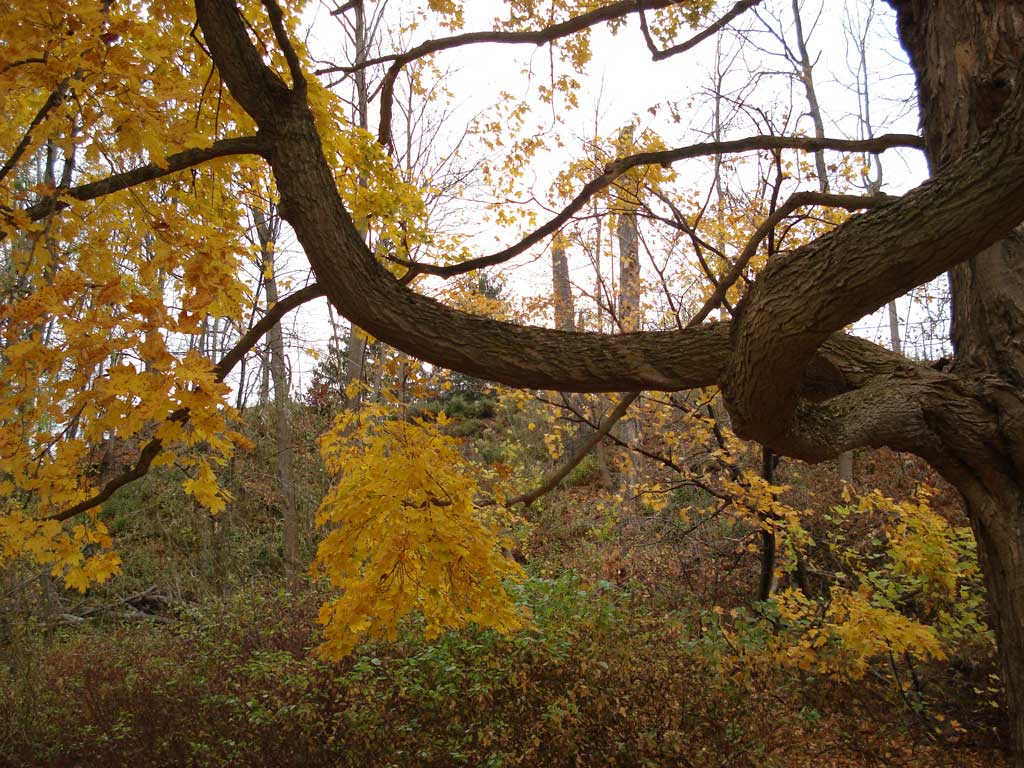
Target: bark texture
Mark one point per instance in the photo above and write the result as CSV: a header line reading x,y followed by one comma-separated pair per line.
x,y
967,58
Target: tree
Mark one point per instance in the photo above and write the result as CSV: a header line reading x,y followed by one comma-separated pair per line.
x,y
803,69
792,380
268,230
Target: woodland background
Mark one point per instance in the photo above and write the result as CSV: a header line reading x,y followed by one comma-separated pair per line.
x,y
648,644
540,578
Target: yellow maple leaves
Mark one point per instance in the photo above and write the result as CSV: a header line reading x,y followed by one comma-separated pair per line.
x,y
404,536
906,598
101,303
849,632
110,309
65,551
205,489
451,13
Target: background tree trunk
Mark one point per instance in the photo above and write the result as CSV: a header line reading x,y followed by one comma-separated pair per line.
x,y
562,288
356,339
629,313
268,228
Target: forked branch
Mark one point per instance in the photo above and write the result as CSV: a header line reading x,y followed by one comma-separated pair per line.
x,y
658,54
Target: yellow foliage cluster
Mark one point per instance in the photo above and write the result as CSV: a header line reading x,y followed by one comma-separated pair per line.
x,y
922,544
104,305
451,13
847,632
404,536
64,550
100,299
911,597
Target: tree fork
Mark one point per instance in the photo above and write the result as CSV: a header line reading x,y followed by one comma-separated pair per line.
x,y
968,424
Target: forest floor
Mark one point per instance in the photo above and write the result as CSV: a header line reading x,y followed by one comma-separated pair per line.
x,y
645,649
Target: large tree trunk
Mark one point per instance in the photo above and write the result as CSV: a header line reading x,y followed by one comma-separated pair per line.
x,y
997,521
966,55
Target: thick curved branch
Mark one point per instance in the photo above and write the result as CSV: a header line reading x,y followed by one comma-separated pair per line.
x,y
763,360
665,158
796,200
892,411
375,301
150,451
806,295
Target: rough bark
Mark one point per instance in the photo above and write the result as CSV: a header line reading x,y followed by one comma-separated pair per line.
x,y
629,274
967,58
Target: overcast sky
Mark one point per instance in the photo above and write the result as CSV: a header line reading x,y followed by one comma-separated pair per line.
x,y
622,85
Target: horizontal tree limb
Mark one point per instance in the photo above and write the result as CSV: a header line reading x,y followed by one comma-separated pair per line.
x,y
179,161
760,360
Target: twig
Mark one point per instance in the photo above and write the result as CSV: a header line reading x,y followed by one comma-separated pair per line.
x,y
556,477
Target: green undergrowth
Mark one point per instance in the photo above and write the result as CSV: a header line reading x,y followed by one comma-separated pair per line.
x,y
235,682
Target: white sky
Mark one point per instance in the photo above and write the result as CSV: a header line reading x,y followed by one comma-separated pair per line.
x,y
621,84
